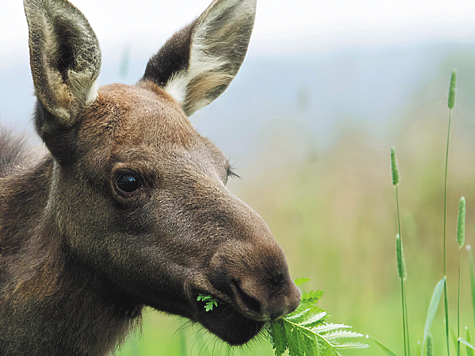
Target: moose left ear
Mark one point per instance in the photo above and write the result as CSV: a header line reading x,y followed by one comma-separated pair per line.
x,y
65,58
197,63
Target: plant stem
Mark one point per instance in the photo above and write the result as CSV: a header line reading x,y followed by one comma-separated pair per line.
x,y
445,194
403,317
446,303
405,323
458,295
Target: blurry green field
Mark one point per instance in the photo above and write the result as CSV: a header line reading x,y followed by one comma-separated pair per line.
x,y
334,214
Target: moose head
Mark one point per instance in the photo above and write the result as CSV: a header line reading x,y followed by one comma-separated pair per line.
x,y
135,195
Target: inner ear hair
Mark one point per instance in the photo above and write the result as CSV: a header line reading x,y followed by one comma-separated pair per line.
x,y
198,63
65,57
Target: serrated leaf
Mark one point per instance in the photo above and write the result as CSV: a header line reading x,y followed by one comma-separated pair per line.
x,y
305,333
293,339
334,335
278,337
314,295
295,315
352,345
329,327
316,318
301,281
310,344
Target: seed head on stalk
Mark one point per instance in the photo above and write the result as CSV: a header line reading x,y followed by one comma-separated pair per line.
x,y
461,223
394,170
401,261
451,99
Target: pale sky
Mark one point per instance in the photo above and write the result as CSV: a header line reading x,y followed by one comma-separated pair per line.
x,y
281,26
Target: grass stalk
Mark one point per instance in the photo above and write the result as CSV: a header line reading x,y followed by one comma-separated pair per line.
x,y
461,242
402,273
446,303
450,104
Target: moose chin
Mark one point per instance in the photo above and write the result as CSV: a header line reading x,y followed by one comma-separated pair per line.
x,y
129,206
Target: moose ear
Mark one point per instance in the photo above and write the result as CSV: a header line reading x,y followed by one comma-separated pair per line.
x,y
65,58
197,63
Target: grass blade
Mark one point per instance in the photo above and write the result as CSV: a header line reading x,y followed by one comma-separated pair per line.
x,y
472,280
469,339
466,343
434,303
383,347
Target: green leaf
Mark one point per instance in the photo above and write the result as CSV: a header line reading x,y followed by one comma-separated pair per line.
x,y
434,303
329,327
305,333
383,347
278,337
315,319
295,341
461,223
301,281
210,302
312,295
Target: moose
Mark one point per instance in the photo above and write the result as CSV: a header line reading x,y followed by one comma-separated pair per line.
x,y
128,207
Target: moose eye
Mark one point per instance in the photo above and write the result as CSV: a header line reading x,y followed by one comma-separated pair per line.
x,y
128,182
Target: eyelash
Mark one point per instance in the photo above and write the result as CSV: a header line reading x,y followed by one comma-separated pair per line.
x,y
230,173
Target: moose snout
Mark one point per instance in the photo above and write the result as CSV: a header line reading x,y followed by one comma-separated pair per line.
x,y
256,279
264,302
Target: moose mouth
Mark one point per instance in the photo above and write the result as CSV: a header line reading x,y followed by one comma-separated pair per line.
x,y
227,322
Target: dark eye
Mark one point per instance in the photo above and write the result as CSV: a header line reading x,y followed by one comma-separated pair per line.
x,y
128,182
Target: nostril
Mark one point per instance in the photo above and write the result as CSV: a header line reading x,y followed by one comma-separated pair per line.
x,y
249,302
276,313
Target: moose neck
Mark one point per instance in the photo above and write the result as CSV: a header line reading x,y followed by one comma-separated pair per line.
x,y
56,305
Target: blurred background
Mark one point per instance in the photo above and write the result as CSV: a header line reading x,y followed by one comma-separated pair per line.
x,y
308,123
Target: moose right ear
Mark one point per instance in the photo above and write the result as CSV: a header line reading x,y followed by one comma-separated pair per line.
x,y
199,62
65,60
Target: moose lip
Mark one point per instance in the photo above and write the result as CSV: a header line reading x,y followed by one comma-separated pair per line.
x,y
227,322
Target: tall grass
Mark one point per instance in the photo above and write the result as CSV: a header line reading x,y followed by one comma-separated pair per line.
x,y
461,242
401,263
450,104
442,285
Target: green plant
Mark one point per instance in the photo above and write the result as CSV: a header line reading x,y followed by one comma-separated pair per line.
x,y
209,301
401,263
306,332
450,104
461,241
